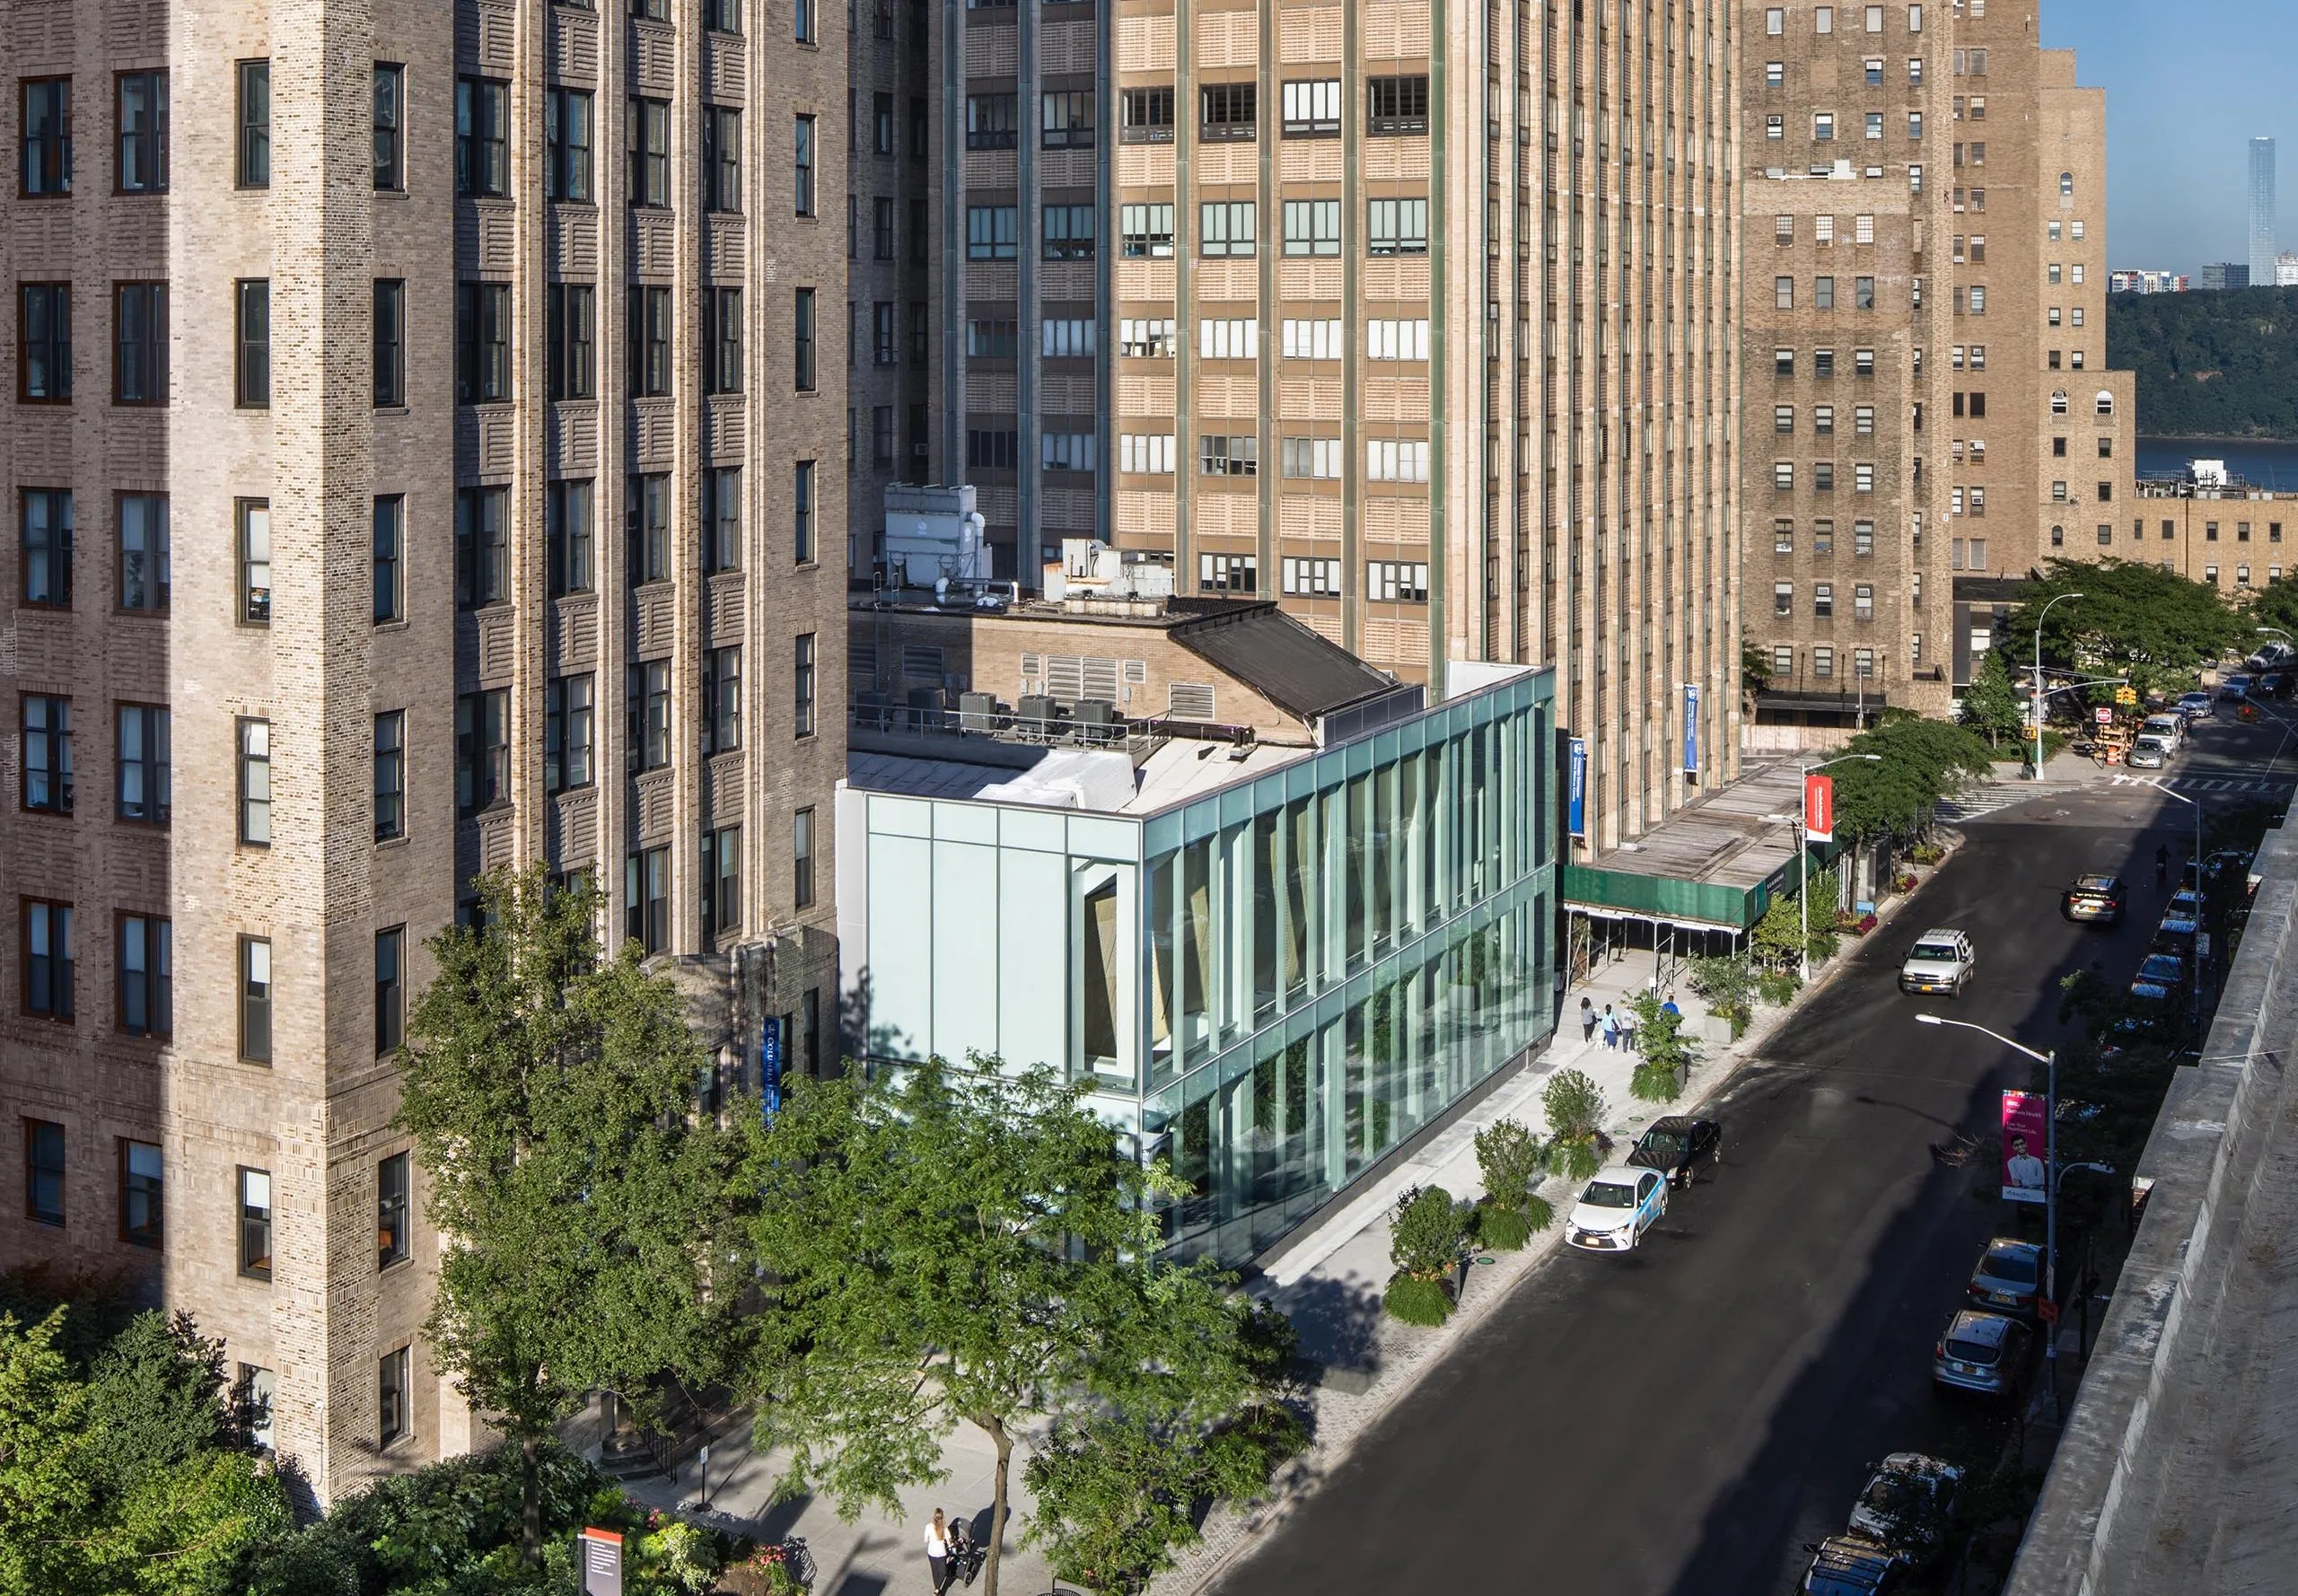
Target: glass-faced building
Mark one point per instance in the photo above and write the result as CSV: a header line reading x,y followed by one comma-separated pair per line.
x,y
1274,963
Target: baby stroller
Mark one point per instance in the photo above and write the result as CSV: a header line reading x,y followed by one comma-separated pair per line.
x,y
965,1556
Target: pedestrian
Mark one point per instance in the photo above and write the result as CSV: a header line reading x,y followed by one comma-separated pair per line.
x,y
937,1552
1611,1029
1587,1019
1669,1007
1627,1033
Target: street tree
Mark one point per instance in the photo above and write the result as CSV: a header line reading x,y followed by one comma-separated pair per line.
x,y
1993,704
2276,606
551,1093
1663,1053
2134,619
1918,764
942,1246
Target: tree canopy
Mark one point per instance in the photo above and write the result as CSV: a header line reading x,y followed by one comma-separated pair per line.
x,y
551,1093
2210,365
1992,705
2134,619
942,1246
1918,763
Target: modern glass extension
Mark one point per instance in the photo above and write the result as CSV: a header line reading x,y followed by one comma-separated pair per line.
x,y
1272,984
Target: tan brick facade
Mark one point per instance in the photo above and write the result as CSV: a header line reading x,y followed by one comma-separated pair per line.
x,y
321,666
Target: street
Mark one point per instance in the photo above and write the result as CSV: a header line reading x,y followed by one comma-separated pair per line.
x,y
1683,1419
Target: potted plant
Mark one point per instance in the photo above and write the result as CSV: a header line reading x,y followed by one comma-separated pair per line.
x,y
1512,1162
1576,1110
1425,1245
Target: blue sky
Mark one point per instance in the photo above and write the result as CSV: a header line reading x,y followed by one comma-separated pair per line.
x,y
2189,83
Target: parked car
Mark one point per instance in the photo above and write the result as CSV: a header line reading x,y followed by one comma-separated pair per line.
x,y
2193,704
2148,753
1679,1146
2008,1278
2171,728
1906,1501
1616,1208
2161,978
2235,688
1854,1566
2096,897
1982,1352
1940,961
2176,934
2273,684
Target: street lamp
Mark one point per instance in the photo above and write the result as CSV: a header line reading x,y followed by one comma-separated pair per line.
x,y
2050,1061
2039,679
1803,849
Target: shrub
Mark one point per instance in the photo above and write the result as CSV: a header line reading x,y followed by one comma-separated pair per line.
x,y
1905,883
1777,986
1729,988
1418,1301
1655,1082
1512,1161
1575,1109
1425,1240
1864,923
1505,1229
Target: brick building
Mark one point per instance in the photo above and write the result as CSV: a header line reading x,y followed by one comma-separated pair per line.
x,y
1928,406
427,422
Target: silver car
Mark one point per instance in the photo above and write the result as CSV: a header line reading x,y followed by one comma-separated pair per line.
x,y
1985,1353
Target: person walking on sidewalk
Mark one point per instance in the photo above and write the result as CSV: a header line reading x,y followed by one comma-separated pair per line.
x,y
1587,1019
1669,1007
1611,1029
937,1552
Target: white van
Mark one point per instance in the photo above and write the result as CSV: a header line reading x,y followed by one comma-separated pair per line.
x,y
2171,728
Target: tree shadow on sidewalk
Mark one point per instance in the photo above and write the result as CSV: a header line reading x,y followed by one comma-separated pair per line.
x,y
1339,1322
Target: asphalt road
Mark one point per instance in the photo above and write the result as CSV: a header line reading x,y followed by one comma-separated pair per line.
x,y
1683,1419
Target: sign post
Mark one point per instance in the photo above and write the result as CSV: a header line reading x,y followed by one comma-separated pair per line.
x,y
1576,807
599,1555
769,1067
2024,1132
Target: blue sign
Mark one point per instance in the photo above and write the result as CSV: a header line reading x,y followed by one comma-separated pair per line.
x,y
769,1067
1575,806
1691,726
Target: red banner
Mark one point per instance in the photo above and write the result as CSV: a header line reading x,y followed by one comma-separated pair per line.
x,y
2024,1140
1818,809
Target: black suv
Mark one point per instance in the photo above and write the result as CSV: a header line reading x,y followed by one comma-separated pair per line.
x,y
1679,1146
2096,897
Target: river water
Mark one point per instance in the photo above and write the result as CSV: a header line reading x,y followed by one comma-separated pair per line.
x,y
2262,463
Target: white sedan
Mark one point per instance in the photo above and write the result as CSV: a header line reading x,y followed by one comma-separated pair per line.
x,y
1615,1210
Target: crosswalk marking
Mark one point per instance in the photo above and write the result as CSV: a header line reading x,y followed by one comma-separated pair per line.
x,y
2211,784
1984,800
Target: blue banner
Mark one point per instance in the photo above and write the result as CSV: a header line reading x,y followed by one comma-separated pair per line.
x,y
769,1067
1691,726
1577,790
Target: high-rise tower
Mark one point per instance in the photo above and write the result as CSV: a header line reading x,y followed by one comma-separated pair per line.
x,y
2261,212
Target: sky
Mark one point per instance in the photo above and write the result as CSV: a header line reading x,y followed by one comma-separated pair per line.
x,y
2189,84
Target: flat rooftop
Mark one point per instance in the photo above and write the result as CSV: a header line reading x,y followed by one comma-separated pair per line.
x,y
1098,781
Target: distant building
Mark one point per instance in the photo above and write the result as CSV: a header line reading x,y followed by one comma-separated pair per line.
x,y
2286,270
2225,273
2261,210
2146,282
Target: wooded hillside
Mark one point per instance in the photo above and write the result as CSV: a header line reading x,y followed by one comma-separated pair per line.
x,y
2210,365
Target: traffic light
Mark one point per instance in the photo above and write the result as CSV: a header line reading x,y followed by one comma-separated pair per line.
x,y
2126,696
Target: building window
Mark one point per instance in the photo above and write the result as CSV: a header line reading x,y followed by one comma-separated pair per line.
x,y
391,775
1396,582
802,164
650,715
1225,227
482,547
254,516
390,343
1147,230
482,750
650,342
482,137
1397,226
1066,338
573,340
1313,459
389,124
801,21
389,558
44,343
43,1171
650,152
1227,111
881,122
1066,119
1393,459
567,716
646,512
1229,573
990,121
722,340
47,754
139,343
255,999
482,343
47,968
803,339
142,1213
991,449
881,229
722,700
722,519
722,882
143,132
1783,598
254,738
390,994
567,139
1228,340
647,894
1312,227
1228,455
393,1185
254,1223
254,165
1068,452
1396,105
803,685
990,232
48,136
1311,578
802,500
1150,339
146,976
1146,116
394,1421
1312,108
142,777
802,856
44,544
251,340
1068,232
1146,454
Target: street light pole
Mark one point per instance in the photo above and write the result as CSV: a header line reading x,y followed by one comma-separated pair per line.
x,y
1803,851
2039,679
2050,1061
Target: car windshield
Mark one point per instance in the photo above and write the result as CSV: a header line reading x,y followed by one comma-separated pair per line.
x,y
2161,966
2095,883
1940,952
2012,1269
1606,1194
1888,1493
1664,1140
1970,1352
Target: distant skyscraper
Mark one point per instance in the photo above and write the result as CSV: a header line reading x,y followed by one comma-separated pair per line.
x,y
2261,210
